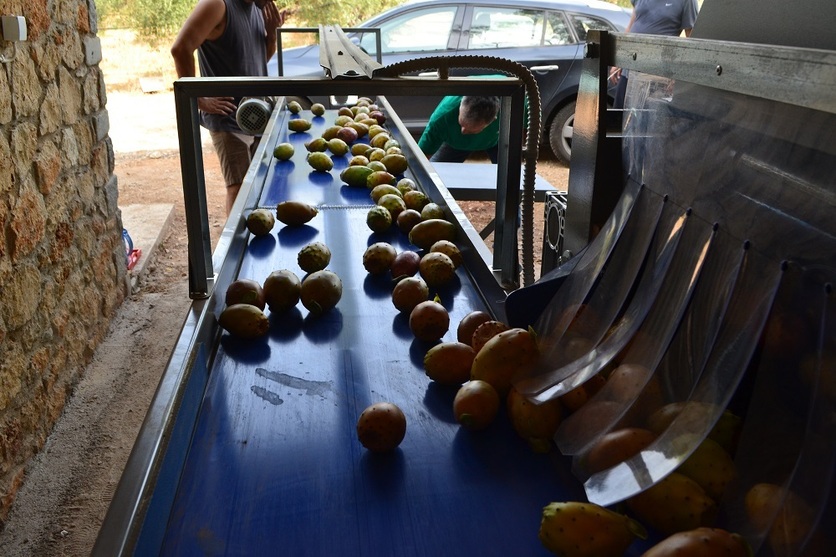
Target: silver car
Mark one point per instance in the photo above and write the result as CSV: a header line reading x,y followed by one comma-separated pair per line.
x,y
547,37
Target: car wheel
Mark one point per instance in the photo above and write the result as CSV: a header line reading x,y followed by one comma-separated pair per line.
x,y
560,132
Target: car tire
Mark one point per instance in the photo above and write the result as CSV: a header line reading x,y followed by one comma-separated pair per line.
x,y
560,132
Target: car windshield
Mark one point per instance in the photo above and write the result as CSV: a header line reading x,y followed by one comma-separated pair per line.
x,y
414,31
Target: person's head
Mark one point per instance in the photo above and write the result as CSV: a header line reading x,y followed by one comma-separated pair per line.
x,y
476,113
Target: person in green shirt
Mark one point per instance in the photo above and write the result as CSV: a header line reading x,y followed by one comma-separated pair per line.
x,y
460,126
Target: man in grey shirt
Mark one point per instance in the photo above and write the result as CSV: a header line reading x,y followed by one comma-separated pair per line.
x,y
656,17
232,38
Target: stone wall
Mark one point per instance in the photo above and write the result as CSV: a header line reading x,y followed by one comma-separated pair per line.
x,y
62,261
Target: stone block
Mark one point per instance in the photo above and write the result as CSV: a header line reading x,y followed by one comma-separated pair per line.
x,y
21,295
28,222
71,100
26,88
47,166
92,50
50,113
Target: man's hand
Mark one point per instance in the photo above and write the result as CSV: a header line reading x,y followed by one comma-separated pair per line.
x,y
614,76
273,18
217,105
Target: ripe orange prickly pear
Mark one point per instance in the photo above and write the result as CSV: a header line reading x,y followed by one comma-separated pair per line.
x,y
536,423
615,447
244,321
320,291
437,269
506,357
409,293
485,332
245,291
787,516
449,249
383,189
468,324
429,231
576,529
429,320
448,363
381,427
701,542
711,467
476,405
378,257
295,213
675,504
281,290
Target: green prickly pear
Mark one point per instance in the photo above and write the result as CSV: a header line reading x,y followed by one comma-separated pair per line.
x,y
675,504
701,542
577,529
711,466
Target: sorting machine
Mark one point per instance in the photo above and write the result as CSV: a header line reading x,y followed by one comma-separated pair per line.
x,y
703,254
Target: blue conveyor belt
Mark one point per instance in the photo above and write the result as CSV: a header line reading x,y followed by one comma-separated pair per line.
x,y
274,466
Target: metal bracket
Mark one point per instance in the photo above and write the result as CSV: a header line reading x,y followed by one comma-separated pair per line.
x,y
342,58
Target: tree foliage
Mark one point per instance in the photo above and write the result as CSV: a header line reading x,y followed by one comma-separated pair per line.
x,y
156,20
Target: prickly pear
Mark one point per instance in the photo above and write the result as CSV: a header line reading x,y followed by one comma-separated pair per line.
x,y
614,447
244,321
675,504
448,363
536,423
576,529
787,516
711,467
701,542
505,357
314,257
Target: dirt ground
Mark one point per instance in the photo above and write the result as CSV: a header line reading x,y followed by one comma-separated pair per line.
x,y
69,485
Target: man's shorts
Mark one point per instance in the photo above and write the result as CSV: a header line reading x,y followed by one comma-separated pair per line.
x,y
235,152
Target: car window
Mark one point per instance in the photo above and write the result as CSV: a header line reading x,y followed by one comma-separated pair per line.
x,y
557,30
583,23
415,31
505,28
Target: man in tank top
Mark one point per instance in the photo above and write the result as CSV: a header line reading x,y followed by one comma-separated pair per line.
x,y
232,38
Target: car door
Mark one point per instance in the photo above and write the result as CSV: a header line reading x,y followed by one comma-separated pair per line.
x,y
541,40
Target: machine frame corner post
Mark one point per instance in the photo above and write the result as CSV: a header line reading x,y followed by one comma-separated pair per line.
x,y
506,256
595,180
194,191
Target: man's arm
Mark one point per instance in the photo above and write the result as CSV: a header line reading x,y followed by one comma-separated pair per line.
x,y
689,16
632,20
206,22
